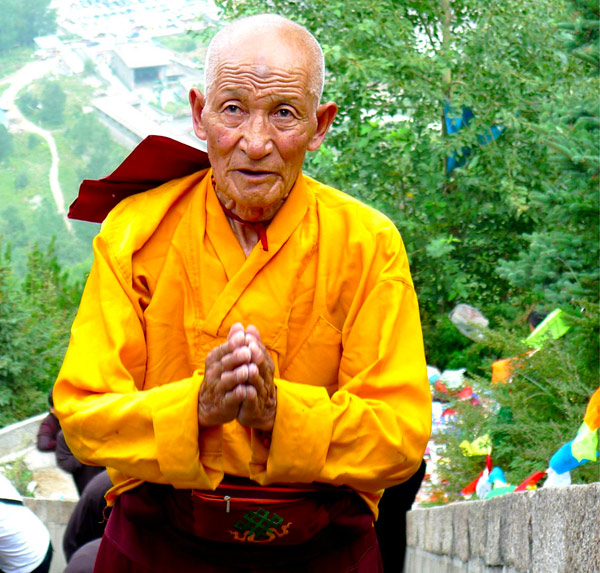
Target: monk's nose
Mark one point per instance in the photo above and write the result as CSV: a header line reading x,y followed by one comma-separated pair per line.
x,y
256,139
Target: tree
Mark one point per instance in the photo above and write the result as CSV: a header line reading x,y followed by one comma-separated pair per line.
x,y
5,142
21,22
53,99
560,263
35,317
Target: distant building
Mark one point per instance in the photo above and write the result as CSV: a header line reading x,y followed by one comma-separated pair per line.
x,y
47,46
139,63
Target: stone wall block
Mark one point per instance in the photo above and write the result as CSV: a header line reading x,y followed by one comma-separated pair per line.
x,y
515,538
542,531
447,533
461,531
582,530
457,566
55,514
445,516
415,527
493,552
433,530
477,528
412,518
550,511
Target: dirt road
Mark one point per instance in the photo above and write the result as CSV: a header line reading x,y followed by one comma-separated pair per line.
x,y
18,80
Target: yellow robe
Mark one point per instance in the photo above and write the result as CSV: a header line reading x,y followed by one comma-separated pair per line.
x,y
335,306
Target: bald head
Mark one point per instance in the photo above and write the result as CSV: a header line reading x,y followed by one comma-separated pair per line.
x,y
263,26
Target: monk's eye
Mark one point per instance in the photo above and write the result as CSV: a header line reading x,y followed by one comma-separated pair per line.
x,y
284,113
232,109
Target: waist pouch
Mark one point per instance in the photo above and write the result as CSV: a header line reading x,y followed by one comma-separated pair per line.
x,y
240,511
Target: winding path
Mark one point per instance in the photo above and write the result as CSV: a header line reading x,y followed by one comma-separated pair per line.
x,y
18,80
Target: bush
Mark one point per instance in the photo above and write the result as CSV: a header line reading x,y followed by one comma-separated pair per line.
x,y
5,142
531,417
20,476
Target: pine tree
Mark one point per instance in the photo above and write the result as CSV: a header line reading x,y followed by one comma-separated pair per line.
x,y
560,265
35,317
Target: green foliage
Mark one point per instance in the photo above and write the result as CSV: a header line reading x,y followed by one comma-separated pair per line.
x,y
89,68
44,102
21,22
5,142
560,261
19,475
12,61
88,137
35,317
52,101
29,103
86,150
530,418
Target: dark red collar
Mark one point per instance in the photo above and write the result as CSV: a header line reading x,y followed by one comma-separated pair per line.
x,y
156,160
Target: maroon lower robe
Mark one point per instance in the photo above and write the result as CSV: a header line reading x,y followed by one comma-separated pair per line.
x,y
143,535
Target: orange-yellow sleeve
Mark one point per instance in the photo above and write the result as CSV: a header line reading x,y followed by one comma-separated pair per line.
x,y
107,420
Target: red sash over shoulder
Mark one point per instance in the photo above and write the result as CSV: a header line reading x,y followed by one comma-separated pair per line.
x,y
156,160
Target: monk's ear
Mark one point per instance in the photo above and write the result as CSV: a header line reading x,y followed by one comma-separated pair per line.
x,y
325,115
197,102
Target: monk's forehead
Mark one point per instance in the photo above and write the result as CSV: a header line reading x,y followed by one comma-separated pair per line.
x,y
260,76
264,52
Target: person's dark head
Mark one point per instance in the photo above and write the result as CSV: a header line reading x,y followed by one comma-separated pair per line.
x,y
535,318
50,398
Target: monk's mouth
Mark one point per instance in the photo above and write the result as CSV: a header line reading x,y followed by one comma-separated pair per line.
x,y
251,173
255,174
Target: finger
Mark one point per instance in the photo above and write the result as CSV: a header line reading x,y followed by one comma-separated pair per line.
x,y
218,352
232,378
216,408
237,336
263,361
236,358
256,382
263,384
256,414
250,407
252,333
238,394
257,352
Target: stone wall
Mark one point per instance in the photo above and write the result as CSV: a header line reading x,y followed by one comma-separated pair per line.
x,y
56,494
17,437
542,531
55,514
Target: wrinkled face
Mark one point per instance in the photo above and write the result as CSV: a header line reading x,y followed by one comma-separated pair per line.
x,y
259,119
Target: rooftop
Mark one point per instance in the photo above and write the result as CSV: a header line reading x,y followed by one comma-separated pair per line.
x,y
142,55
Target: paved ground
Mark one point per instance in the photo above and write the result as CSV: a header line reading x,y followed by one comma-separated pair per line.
x,y
52,482
18,442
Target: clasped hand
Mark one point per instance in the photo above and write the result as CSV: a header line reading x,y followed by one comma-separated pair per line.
x,y
238,382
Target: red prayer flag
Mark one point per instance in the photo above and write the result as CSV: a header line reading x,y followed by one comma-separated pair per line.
x,y
531,480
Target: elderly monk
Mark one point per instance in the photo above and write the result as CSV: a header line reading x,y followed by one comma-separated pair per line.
x,y
247,359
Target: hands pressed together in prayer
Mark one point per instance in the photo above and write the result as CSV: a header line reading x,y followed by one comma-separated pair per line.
x,y
238,382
